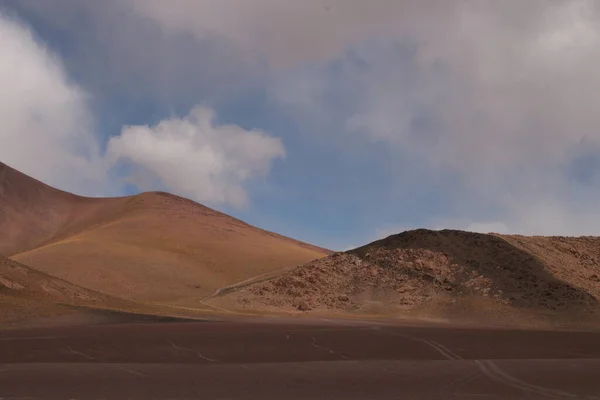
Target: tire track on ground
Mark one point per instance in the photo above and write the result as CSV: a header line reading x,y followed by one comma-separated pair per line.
x,y
493,371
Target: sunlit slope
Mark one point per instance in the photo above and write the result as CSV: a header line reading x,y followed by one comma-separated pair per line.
x,y
167,248
148,247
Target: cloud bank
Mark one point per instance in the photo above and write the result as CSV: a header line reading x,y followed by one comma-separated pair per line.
x,y
498,98
487,106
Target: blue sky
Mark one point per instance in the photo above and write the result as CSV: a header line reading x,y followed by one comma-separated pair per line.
x,y
320,119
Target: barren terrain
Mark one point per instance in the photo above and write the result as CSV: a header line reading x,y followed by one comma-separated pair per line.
x,y
153,247
441,274
142,296
296,359
160,253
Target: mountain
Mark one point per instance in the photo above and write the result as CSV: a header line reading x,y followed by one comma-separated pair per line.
x,y
444,273
152,247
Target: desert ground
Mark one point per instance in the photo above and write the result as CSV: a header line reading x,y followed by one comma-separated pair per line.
x,y
280,358
156,296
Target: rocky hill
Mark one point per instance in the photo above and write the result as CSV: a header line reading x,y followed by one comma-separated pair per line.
x,y
439,273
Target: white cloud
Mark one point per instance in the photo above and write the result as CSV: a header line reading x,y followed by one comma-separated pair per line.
x,y
44,119
196,157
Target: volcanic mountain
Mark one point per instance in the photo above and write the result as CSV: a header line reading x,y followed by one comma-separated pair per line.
x,y
151,247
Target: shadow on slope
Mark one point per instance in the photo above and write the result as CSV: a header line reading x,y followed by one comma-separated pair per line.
x,y
422,273
486,264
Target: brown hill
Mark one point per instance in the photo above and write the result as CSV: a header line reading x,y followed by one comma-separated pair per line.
x,y
151,247
439,273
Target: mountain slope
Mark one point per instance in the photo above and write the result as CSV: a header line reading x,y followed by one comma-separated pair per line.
x,y
151,247
437,273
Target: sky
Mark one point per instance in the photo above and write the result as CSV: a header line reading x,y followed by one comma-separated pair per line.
x,y
336,122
